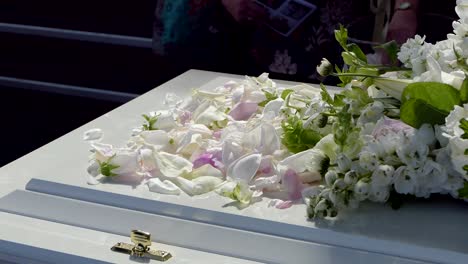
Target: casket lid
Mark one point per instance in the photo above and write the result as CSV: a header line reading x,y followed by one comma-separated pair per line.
x,y
425,231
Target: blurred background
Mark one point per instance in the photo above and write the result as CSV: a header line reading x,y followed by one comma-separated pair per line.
x,y
64,63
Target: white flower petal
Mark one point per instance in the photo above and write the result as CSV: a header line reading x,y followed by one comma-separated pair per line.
x,y
172,165
159,139
274,106
127,162
310,159
198,185
244,168
148,162
93,134
165,187
206,170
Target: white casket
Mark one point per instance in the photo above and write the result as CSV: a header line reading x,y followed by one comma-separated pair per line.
x,y
48,212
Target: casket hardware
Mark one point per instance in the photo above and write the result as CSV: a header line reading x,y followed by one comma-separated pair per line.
x,y
141,247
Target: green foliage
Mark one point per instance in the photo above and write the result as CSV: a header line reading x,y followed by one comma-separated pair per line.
x,y
463,192
269,97
341,35
354,48
464,90
285,93
391,49
351,58
416,112
325,95
428,102
150,122
107,167
340,133
296,138
359,95
464,127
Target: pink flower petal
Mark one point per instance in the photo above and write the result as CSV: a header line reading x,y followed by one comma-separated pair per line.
x,y
284,204
292,184
243,111
206,158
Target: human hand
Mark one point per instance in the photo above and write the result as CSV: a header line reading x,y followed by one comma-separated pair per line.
x,y
403,25
245,11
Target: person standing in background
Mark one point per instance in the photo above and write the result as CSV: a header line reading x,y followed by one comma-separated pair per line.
x,y
243,37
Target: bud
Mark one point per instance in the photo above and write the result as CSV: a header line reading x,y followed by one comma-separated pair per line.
x,y
350,177
330,177
325,68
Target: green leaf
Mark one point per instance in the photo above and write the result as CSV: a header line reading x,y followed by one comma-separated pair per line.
x,y
150,122
340,133
464,127
416,112
341,35
428,102
391,48
269,97
296,138
325,95
107,167
351,59
359,95
463,192
357,50
285,93
464,91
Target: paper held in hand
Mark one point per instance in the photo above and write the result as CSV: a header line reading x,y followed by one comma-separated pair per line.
x,y
284,16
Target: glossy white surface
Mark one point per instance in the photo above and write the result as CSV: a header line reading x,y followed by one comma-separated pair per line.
x,y
429,231
39,241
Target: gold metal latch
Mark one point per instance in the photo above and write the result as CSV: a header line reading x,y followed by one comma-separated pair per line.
x,y
141,247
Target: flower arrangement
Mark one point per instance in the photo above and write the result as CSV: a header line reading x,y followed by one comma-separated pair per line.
x,y
389,134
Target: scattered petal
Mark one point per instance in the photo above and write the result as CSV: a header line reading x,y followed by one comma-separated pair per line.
x,y
93,134
165,187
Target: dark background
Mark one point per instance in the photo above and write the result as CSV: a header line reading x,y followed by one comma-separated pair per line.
x,y
31,118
